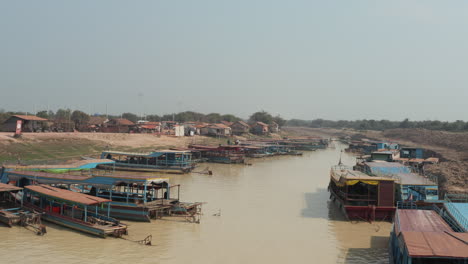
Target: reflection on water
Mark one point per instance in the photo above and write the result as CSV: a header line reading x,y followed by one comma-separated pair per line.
x,y
275,211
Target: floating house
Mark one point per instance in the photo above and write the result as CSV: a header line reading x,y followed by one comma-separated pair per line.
x,y
422,236
229,154
361,196
385,155
410,186
132,197
73,210
169,161
412,153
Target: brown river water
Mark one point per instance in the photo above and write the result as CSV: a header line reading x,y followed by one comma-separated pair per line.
x,y
275,211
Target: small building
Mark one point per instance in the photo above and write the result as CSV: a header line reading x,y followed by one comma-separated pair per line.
x,y
216,130
30,123
95,123
240,127
260,128
412,153
274,127
118,125
387,155
148,127
179,131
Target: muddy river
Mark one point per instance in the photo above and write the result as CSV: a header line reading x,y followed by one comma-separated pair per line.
x,y
275,211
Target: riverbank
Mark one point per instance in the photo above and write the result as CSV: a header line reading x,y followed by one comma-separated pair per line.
x,y
65,146
452,148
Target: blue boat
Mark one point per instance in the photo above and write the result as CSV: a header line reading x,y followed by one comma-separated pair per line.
x,y
133,197
167,161
73,210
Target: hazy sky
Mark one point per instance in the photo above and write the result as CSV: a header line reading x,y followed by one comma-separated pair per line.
x,y
348,59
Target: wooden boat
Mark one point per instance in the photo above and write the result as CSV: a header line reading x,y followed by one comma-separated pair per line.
x,y
361,196
229,154
73,210
131,197
167,161
11,213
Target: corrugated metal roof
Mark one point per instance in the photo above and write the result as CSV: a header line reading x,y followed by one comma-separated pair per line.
x,y
436,244
261,123
66,195
30,117
8,188
420,221
123,121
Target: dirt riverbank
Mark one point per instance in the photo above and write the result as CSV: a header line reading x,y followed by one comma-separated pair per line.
x,y
451,147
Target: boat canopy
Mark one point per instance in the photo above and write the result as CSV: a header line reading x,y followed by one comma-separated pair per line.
x,y
97,180
8,188
146,155
65,195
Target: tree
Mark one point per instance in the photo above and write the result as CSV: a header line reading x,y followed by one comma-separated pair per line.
x,y
279,120
153,118
130,116
63,114
261,116
230,118
213,118
79,118
43,114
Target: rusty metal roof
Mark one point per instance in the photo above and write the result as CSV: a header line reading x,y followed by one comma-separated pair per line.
x,y
421,221
436,244
8,188
242,123
123,122
66,195
426,234
30,117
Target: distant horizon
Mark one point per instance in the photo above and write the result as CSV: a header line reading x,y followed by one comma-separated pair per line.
x,y
243,118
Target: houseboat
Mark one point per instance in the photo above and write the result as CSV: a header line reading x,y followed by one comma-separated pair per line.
x,y
73,210
167,161
11,212
410,186
422,236
229,154
132,197
360,196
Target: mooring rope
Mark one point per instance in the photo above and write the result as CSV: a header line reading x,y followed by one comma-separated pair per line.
x,y
146,241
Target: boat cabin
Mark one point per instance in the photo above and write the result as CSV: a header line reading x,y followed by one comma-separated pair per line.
x,y
362,196
164,160
74,210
